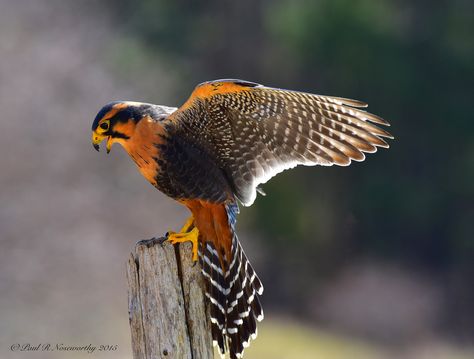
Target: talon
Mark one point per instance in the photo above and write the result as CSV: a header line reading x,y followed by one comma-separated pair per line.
x,y
191,236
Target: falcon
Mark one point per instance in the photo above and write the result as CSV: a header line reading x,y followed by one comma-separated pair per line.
x,y
213,152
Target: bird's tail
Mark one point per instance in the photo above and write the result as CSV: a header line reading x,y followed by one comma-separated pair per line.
x,y
233,290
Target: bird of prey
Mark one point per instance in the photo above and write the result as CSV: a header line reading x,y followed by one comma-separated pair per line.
x,y
214,151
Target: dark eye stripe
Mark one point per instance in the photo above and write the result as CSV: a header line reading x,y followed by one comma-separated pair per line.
x,y
116,134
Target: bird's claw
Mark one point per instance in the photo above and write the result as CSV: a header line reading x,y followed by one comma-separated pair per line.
x,y
191,236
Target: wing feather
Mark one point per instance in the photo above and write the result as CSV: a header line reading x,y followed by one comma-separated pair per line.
x,y
255,132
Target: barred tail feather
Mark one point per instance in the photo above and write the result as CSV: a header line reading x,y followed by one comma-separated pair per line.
x,y
216,292
233,294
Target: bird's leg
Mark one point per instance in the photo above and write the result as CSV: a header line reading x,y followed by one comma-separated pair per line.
x,y
191,236
187,233
188,225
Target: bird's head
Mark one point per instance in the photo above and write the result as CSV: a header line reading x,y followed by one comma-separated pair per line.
x,y
117,121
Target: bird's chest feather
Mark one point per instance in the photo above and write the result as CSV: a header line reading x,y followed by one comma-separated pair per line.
x,y
176,165
143,148
188,171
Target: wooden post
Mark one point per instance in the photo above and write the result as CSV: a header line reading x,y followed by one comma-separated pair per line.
x,y
167,307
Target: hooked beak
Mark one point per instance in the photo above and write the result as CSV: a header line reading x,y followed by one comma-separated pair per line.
x,y
97,139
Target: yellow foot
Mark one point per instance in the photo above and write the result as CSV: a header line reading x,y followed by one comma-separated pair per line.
x,y
191,236
188,225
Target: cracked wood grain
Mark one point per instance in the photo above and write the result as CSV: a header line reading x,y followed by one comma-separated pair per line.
x,y
167,307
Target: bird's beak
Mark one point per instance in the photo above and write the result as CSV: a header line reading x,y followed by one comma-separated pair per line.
x,y
97,139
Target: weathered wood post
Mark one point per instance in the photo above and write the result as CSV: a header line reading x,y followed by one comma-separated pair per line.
x,y
167,307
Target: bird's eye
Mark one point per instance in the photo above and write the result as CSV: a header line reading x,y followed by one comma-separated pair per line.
x,y
104,126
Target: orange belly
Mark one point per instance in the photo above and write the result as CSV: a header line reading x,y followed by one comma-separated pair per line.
x,y
213,225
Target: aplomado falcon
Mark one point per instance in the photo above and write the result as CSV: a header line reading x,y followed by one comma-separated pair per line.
x,y
211,153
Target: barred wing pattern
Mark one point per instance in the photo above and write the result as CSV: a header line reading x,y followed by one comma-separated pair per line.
x,y
256,132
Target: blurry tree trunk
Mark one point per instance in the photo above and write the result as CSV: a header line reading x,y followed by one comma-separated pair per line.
x,y
167,307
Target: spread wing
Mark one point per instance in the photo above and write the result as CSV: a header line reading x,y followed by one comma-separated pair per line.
x,y
255,132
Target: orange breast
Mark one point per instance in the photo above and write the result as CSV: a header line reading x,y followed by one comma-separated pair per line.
x,y
142,147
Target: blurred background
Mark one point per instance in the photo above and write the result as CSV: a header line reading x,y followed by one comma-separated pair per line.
x,y
371,261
